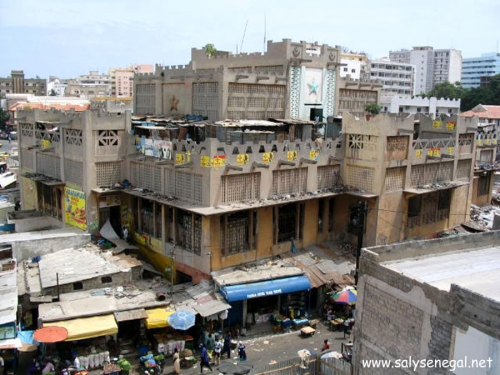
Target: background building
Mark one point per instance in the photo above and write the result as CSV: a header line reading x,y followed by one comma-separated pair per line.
x,y
475,68
432,107
56,86
354,65
17,84
431,66
433,300
122,85
89,86
290,80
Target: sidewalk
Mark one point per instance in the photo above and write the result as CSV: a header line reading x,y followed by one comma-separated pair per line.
x,y
264,347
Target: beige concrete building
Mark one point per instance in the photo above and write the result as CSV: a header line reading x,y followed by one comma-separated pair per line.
x,y
430,307
235,191
416,180
290,80
18,84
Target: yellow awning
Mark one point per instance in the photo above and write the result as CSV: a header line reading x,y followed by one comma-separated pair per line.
x,y
86,328
157,318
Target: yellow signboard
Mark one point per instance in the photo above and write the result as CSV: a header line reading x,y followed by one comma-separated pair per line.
x,y
494,141
487,141
291,155
314,155
450,150
451,125
436,152
418,154
437,124
205,161
74,208
479,142
242,159
267,157
180,158
45,143
219,161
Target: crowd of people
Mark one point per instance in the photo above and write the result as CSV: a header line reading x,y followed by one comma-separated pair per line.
x,y
215,348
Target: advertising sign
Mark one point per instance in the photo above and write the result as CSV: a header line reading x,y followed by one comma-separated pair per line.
x,y
74,208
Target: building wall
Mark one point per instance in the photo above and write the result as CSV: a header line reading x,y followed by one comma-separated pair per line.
x,y
473,68
398,316
18,84
387,167
83,155
287,81
429,106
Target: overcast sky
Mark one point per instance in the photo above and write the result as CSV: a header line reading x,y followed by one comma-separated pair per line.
x,y
67,38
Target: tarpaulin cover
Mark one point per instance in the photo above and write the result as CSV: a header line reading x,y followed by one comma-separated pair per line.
x,y
86,328
52,333
265,288
157,318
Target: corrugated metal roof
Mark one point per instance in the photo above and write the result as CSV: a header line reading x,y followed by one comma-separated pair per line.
x,y
253,273
73,265
242,123
122,316
8,295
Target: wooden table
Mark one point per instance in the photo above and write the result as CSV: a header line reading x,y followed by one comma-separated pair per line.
x,y
307,331
336,324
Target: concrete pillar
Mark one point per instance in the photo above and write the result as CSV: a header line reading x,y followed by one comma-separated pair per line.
x,y
496,222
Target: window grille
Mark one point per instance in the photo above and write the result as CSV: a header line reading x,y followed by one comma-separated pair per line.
x,y
108,173
73,171
241,187
328,176
289,181
360,177
395,178
464,170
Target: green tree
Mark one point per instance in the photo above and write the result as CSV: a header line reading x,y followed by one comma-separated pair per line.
x,y
373,108
4,117
210,50
447,90
475,96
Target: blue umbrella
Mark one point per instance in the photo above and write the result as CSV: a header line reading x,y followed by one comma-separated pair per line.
x,y
181,320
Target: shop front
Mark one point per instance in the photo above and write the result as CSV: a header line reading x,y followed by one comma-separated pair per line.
x,y
89,339
265,300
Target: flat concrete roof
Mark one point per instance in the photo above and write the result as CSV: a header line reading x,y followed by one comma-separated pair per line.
x,y
477,270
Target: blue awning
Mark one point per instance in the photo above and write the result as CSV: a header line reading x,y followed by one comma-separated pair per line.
x,y
265,288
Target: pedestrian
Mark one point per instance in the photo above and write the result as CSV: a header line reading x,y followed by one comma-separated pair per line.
x,y
227,346
210,344
217,351
242,351
2,365
9,138
346,327
326,345
49,367
204,359
177,361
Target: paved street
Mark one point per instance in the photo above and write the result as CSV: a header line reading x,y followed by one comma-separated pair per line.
x,y
268,348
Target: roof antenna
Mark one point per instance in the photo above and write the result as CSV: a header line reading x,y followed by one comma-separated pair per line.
x,y
242,39
265,29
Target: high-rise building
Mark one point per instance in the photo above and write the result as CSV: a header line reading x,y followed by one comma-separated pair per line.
x,y
397,77
431,66
475,68
122,80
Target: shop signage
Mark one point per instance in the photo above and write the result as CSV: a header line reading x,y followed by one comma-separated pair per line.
x,y
272,292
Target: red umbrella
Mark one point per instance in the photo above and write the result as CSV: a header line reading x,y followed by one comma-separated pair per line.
x,y
51,334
